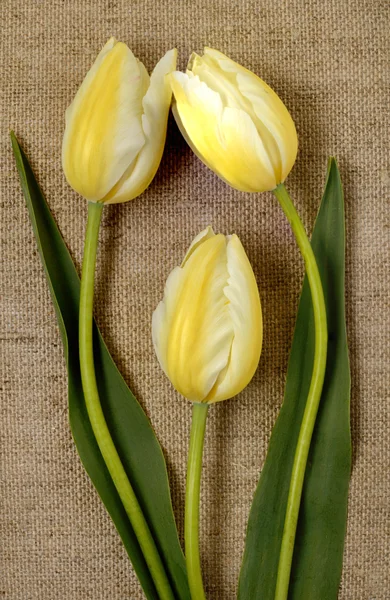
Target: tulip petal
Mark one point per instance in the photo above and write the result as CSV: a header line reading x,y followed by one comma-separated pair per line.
x,y
162,316
274,116
267,106
245,313
247,152
209,71
104,132
156,104
178,83
88,79
204,235
225,139
192,326
192,94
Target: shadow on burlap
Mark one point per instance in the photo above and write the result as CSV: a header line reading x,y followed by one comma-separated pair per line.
x,y
329,63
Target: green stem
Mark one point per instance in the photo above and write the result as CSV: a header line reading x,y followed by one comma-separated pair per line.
x,y
191,525
95,412
313,398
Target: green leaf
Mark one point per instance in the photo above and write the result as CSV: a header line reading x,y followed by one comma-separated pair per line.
x,y
131,431
318,553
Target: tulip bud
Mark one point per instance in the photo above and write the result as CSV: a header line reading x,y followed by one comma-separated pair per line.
x,y
234,122
116,126
207,331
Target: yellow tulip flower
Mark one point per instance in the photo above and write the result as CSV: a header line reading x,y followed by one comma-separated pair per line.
x,y
234,122
116,126
114,139
207,331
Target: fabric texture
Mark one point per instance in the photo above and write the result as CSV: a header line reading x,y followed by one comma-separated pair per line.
x,y
329,62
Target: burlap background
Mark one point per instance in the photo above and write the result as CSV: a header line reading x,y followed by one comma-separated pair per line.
x,y
329,62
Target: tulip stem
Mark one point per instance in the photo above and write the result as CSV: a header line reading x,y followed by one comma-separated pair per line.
x,y
313,398
191,527
96,415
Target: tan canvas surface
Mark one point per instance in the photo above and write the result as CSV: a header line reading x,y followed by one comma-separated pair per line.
x,y
329,61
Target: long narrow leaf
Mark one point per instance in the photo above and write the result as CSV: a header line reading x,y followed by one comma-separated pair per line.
x,y
321,529
132,433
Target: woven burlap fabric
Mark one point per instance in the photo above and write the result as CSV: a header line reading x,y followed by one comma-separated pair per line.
x,y
329,63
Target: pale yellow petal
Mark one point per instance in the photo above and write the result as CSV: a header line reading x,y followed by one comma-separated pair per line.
x,y
225,63
213,76
200,111
162,316
199,119
247,159
103,126
245,313
270,115
155,105
226,139
274,115
88,79
204,235
225,84
192,327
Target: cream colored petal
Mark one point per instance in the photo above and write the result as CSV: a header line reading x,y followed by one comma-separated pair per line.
x,y
245,312
214,77
206,142
203,236
274,115
156,104
199,119
229,72
88,80
224,138
191,144
103,126
200,110
274,124
247,158
163,314
225,63
192,326
225,84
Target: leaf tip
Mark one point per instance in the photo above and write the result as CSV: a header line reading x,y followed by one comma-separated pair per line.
x,y
333,165
15,143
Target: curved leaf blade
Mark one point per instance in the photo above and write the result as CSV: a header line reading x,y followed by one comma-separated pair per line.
x,y
318,553
132,433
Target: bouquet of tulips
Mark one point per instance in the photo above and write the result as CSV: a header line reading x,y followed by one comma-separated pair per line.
x,y
207,330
